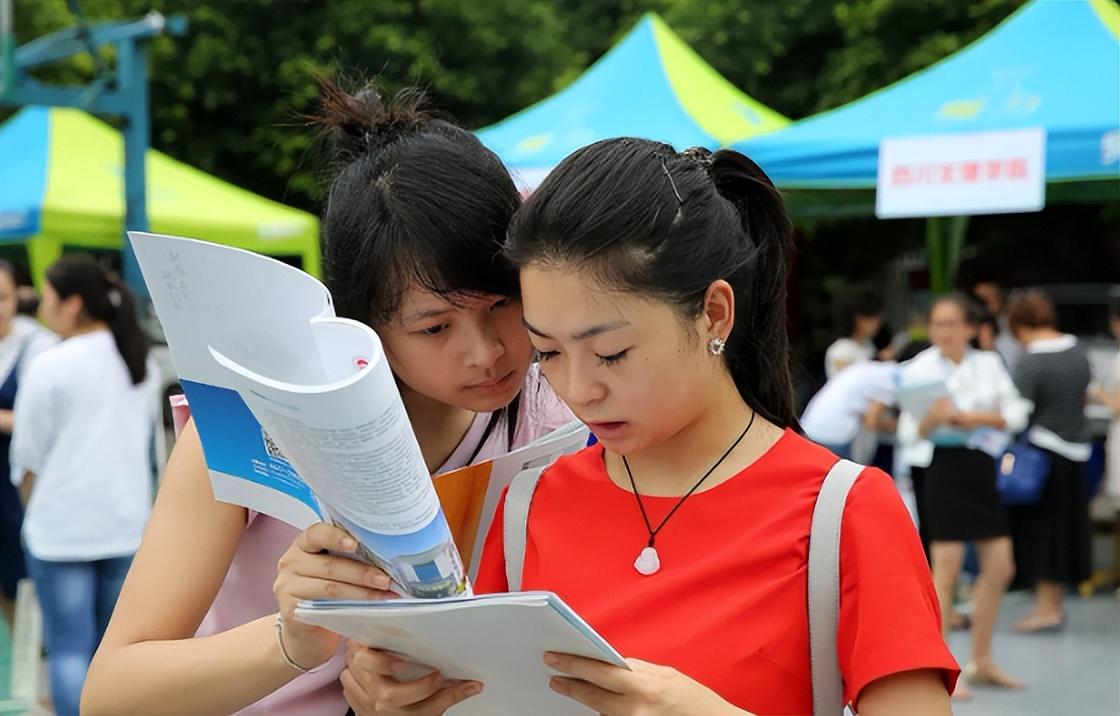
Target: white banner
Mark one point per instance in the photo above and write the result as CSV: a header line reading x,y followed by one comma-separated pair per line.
x,y
962,174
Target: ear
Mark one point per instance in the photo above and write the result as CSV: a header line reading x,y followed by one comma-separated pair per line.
x,y
718,315
72,306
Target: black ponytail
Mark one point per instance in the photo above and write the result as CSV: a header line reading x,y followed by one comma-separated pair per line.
x,y
758,352
104,298
663,224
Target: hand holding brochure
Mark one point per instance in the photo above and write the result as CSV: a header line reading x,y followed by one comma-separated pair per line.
x,y
498,639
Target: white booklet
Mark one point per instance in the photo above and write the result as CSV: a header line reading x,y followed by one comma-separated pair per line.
x,y
918,398
498,639
297,410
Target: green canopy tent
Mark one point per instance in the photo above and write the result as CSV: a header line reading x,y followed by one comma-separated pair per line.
x,y
60,188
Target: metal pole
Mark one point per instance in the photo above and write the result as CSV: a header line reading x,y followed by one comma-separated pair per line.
x,y
133,73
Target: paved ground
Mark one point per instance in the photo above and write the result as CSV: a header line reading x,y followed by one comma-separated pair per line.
x,y
1075,672
1072,673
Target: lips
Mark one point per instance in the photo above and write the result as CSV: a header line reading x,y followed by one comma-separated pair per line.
x,y
492,384
608,430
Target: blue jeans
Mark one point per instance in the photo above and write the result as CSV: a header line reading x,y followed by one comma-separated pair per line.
x,y
77,599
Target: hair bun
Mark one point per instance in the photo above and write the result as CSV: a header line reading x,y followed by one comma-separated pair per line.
x,y
359,123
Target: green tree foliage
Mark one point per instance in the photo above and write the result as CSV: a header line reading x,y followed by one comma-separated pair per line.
x,y
228,96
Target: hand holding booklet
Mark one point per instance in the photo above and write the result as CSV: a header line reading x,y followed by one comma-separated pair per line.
x,y
300,417
498,639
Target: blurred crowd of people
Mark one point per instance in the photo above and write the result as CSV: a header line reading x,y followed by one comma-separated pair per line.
x,y
1008,376
77,408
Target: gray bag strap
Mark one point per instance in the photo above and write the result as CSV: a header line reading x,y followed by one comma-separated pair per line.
x,y
824,587
515,524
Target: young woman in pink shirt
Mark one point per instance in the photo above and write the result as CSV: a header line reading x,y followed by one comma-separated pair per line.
x,y
412,232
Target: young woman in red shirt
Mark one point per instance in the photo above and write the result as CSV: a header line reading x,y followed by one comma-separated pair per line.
x,y
654,288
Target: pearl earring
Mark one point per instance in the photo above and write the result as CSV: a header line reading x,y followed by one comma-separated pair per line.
x,y
716,346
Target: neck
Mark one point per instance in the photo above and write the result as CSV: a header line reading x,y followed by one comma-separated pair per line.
x,y
88,327
439,427
955,356
1031,335
672,466
5,328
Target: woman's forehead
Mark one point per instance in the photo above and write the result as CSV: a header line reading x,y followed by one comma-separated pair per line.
x,y
417,303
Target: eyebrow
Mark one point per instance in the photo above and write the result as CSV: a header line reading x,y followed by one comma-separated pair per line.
x,y
584,334
422,315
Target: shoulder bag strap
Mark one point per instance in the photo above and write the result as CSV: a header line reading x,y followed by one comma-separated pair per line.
x,y
515,523
824,587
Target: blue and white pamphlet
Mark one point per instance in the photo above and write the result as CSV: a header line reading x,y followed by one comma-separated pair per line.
x,y
297,409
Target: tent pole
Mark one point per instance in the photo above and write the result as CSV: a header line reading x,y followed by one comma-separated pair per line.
x,y
934,255
945,237
957,231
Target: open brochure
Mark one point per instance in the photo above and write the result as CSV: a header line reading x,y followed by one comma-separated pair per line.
x,y
470,495
498,639
298,412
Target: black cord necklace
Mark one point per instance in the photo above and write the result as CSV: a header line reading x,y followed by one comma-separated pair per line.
x,y
648,561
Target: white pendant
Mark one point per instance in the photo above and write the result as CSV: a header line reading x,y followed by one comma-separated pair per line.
x,y
648,562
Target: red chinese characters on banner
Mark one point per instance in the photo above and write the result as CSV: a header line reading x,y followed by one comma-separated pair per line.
x,y
962,173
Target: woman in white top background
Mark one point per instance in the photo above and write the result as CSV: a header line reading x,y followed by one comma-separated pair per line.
x,y
861,320
80,456
962,503
21,340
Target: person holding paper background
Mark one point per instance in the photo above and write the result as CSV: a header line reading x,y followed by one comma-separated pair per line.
x,y
416,213
654,288
80,454
1052,538
961,501
22,339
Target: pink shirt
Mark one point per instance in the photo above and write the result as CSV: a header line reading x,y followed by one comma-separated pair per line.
x,y
246,593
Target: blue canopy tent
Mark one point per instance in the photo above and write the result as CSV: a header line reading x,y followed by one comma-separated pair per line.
x,y
1051,64
652,85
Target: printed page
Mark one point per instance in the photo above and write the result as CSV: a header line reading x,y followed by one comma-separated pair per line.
x,y
351,441
239,302
297,406
497,639
918,399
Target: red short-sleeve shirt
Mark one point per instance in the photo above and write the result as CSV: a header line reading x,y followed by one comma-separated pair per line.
x,y
728,607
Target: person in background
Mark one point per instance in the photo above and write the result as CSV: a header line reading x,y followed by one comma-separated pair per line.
x,y
1108,395
80,456
855,399
961,501
1052,537
27,301
21,340
991,294
987,328
861,320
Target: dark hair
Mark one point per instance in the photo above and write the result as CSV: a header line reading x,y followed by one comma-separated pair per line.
x,y
1030,309
862,303
649,220
912,349
8,268
413,200
962,301
104,298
